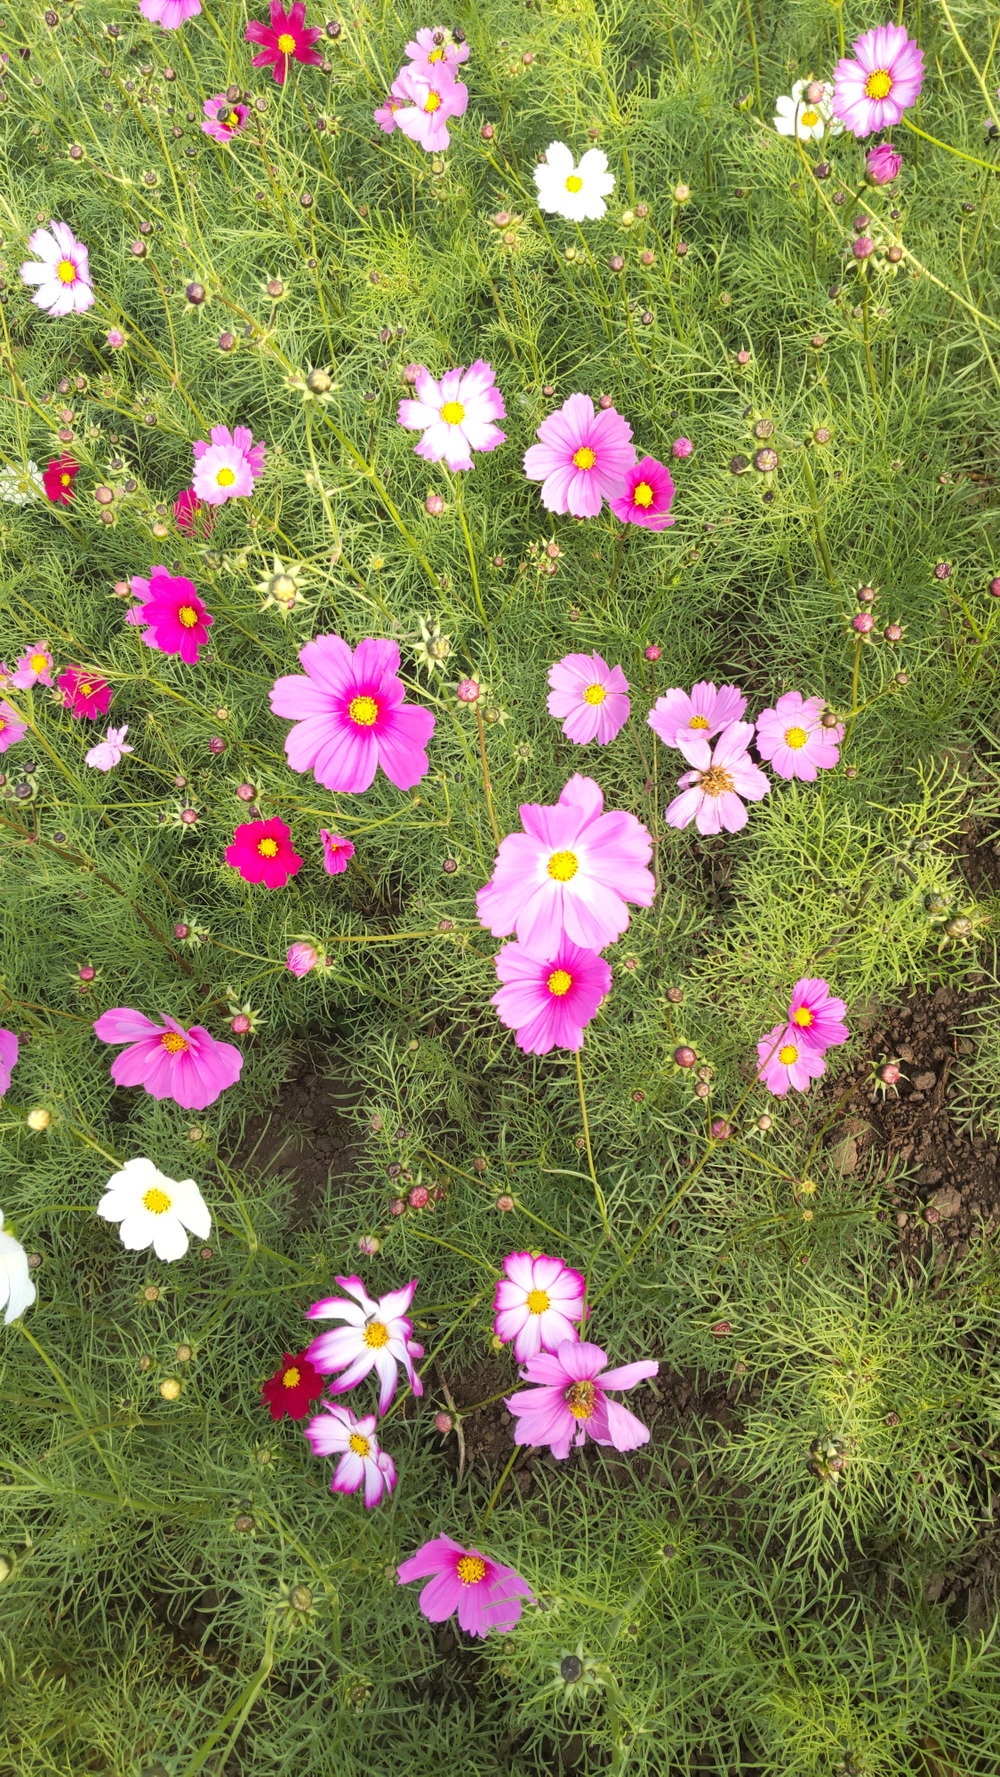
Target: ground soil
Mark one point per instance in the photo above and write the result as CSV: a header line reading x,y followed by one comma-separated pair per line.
x,y
306,1138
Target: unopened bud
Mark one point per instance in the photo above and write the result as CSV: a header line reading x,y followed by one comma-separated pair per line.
x,y
685,1056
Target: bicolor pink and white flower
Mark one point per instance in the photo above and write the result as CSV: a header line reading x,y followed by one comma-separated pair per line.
x,y
647,496
350,717
336,1431
110,751
589,697
33,668
569,875
61,271
224,119
547,1002
570,1402
705,711
12,729
539,1304
455,415
485,1594
815,1015
786,1059
574,192
582,457
711,793
337,852
872,92
428,103
227,468
432,48
168,1060
792,739
377,1337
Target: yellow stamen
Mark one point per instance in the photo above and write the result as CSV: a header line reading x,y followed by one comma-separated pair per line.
x,y
66,480
795,737
471,1569
268,848
363,710
803,1017
376,1336
286,43
715,781
574,183
538,1301
584,458
453,413
38,662
787,1054
156,1201
433,101
188,616
594,694
642,494
359,1445
559,982
86,690
225,478
809,118
563,866
878,85
580,1399
698,722
173,1042
291,1378
66,271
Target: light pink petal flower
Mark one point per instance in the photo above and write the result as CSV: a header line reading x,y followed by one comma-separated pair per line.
x,y
589,697
703,713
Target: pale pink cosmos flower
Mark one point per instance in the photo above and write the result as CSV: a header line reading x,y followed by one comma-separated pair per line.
x,y
570,874
376,1337
385,116
815,1015
8,1061
589,697
302,957
571,1403
171,14
455,415
872,92
110,751
350,717
62,271
337,852
336,1431
169,1061
582,457
706,711
485,1594
12,729
227,468
787,1060
791,737
711,791
33,668
431,47
539,1304
548,1001
428,104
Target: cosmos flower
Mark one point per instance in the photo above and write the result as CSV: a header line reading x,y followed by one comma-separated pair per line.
x,y
576,193
17,1292
293,1387
872,92
224,119
570,1403
227,468
171,14
810,118
110,751
262,851
286,35
18,486
350,717
883,164
589,697
191,515
787,1060
84,694
376,1337
711,792
539,1304
153,1210
485,1594
61,271
432,47
176,619
548,1001
8,1059
704,712
168,1060
582,457
336,852
792,739
58,480
12,729
649,489
815,1015
336,1431
455,415
301,958
385,115
33,668
428,103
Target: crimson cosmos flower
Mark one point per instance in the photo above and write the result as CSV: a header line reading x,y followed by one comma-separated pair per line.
x,y
286,35
293,1387
58,480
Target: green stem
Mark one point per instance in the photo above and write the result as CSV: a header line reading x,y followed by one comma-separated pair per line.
x,y
599,1195
974,159
237,1711
824,551
486,778
756,57
495,1495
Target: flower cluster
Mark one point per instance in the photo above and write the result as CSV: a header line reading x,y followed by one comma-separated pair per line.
x,y
426,94
792,1053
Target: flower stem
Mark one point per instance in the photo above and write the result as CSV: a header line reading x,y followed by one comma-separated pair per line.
x,y
495,1495
602,1206
486,777
472,553
756,57
817,520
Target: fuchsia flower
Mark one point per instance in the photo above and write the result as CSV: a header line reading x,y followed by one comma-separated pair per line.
x,y
455,415
485,1594
12,729
873,92
570,1404
815,1015
110,751
705,712
569,874
301,958
224,119
62,271
376,1337
8,1059
262,851
84,694
582,457
649,489
539,1302
337,852
191,515
792,739
33,668
177,620
430,48
171,14
286,35
58,480
711,792
336,1431
189,1066
227,468
788,1060
589,697
428,102
350,717
883,164
548,1001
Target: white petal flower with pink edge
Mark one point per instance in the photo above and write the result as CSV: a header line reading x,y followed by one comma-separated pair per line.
x,y
539,1304
61,271
336,1431
376,1337
455,415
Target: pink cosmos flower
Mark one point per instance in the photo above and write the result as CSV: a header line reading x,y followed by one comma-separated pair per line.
x,y
33,668
191,515
569,874
110,751
589,697
705,712
8,1059
350,717
548,1001
84,694
12,729
539,1303
649,489
262,851
485,1594
792,739
571,1403
385,116
178,622
224,119
301,958
337,852
883,164
873,92
582,458
189,1066
286,35
376,1337
721,775
227,468
62,271
171,14
815,1015
428,102
432,48
787,1060
336,1431
455,415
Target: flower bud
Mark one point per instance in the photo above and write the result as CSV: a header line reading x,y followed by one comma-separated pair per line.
x,y
681,447
681,194
890,1074
764,1123
685,1056
942,570
479,1164
863,623
170,1388
369,1245
894,254
487,132
468,691
720,1129
652,652
721,1329
616,262
419,1197
240,1024
893,632
822,435
435,505
39,1119
627,218
864,247
398,1206
505,1203
443,1422
195,294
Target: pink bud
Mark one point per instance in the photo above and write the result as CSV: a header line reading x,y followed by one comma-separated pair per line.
x,y
188,817
435,505
652,652
685,1056
443,1421
468,691
369,1245
721,1130
419,1197
216,744
681,447
398,1206
411,373
864,247
240,1024
246,792
182,931
505,1203
302,958
86,973
721,1329
889,1074
864,623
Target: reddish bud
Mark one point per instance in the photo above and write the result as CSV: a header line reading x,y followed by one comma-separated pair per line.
x,y
685,1056
240,1024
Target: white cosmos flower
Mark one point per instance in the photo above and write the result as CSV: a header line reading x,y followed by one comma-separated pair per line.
x,y
154,1210
16,485
814,118
576,193
16,1287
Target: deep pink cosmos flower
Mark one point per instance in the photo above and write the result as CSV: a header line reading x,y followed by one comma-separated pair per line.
x,y
8,1059
883,164
432,48
337,852
286,35
177,621
873,92
227,468
376,1337
649,489
721,775
171,14
815,1015
336,1431
224,119
33,668
428,102
189,1066
301,958
570,1404
539,1304
262,851
547,1001
570,874
110,751
191,515
787,1060
293,1387
582,457
589,697
792,739
58,480
705,712
485,1594
84,694
455,415
61,271
350,717
12,729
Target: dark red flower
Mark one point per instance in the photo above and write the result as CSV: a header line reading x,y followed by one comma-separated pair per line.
x,y
58,480
293,1387
286,35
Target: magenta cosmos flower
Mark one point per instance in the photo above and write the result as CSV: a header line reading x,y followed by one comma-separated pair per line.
x,y
570,1404
301,958
336,1431
786,1059
873,92
721,775
262,851
191,515
337,852
548,1001
815,1015
12,729
425,103
286,35
171,14
582,457
432,48
539,1304
704,712
62,271
84,694
33,668
224,119
455,415
376,1337
176,620
792,739
485,1594
569,874
227,468
189,1066
8,1059
883,164
350,717
589,697
110,751
649,489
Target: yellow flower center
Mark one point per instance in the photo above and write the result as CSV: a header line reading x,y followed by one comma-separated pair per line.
x,y
538,1301
156,1201
559,982
268,848
803,1017
436,55
594,694
231,121
580,1399
715,781
809,118
286,43
188,616
787,1054
86,690
584,458
574,182
38,662
698,722
642,494
173,1042
795,737
359,1445
453,413
433,101
66,271
879,84
376,1336
363,710
225,478
66,480
291,1378
2,724
471,1569
563,866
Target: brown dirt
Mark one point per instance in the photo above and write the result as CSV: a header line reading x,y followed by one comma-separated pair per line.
x,y
307,1138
